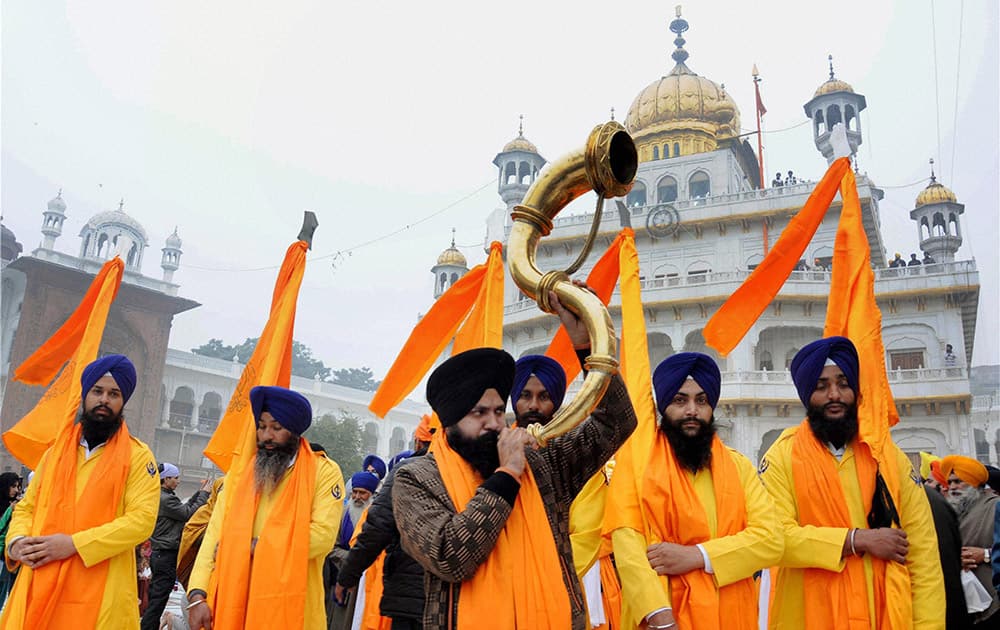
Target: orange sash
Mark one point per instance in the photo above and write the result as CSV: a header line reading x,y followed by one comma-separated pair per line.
x,y
675,514
268,591
821,502
66,594
524,567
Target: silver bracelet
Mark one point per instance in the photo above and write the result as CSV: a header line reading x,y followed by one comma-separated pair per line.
x,y
853,551
672,624
190,606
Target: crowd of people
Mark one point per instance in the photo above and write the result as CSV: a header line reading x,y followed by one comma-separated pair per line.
x,y
897,261
610,525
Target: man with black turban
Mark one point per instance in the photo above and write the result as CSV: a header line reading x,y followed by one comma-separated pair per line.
x,y
703,523
261,561
93,498
854,554
486,511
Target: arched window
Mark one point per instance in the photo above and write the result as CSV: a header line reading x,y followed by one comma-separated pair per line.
x,y
524,173
765,362
699,185
397,442
953,225
666,190
102,242
181,408
766,441
369,438
832,116
789,356
656,153
850,119
938,227
677,149
444,280
454,278
209,412
86,244
818,124
636,196
131,261
510,173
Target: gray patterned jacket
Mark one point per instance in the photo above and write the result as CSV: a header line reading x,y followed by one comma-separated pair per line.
x,y
451,545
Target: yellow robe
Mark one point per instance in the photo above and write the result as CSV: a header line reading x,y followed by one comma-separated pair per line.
x,y
114,541
733,557
821,547
327,508
586,514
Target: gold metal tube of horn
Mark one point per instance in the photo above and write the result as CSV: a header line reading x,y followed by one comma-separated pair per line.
x,y
607,165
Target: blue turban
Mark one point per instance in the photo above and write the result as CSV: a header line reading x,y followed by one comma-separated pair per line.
x,y
376,461
548,371
120,369
398,457
671,373
364,480
808,364
290,409
169,470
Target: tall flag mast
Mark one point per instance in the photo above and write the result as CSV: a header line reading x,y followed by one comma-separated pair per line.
x,y
761,110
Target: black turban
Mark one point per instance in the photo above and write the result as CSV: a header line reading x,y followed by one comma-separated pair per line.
x,y
809,362
455,387
671,373
120,369
290,409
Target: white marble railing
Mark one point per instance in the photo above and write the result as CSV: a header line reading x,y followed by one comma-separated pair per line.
x,y
895,376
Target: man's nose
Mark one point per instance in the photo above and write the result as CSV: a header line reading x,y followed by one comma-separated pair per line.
x,y
495,422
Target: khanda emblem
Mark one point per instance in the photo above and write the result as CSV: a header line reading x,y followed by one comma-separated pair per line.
x,y
337,493
150,468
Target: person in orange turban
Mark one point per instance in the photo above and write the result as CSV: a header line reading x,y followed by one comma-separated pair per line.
x,y
976,510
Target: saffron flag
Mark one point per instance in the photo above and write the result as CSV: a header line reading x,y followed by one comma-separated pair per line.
x,y
601,280
739,313
477,300
75,344
270,364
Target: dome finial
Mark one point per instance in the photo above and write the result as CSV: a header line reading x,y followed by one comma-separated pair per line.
x,y
612,113
933,179
453,238
678,26
830,59
121,205
520,126
59,194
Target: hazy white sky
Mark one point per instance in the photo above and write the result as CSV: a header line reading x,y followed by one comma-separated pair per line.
x,y
228,119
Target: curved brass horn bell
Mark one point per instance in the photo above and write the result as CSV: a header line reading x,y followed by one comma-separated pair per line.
x,y
607,165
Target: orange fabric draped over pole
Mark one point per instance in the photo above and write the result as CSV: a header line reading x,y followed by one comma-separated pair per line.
x,y
602,280
77,342
739,313
477,300
270,364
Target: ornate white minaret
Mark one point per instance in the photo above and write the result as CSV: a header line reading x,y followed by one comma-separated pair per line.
x,y
451,265
519,163
937,213
52,221
835,101
171,256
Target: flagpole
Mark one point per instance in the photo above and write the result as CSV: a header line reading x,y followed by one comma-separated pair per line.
x,y
760,146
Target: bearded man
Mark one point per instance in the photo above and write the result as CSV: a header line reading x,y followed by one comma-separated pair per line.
x,y
94,497
707,524
261,562
976,509
848,541
485,513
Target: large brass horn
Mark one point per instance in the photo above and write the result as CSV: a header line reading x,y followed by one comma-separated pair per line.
x,y
606,165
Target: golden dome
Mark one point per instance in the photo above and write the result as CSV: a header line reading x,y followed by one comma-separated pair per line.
x,y
520,143
833,85
682,107
452,256
935,193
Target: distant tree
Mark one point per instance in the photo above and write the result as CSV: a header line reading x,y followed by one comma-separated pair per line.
x,y
358,378
340,435
303,362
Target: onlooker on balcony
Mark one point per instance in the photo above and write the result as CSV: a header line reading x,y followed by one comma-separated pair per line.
x,y
897,261
928,259
791,179
777,183
950,360
913,261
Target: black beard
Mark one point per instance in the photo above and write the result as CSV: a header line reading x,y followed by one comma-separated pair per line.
x,y
480,452
98,430
272,464
836,432
531,417
693,452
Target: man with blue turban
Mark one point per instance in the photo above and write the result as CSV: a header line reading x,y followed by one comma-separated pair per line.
x,y
538,389
688,546
852,549
267,550
94,498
